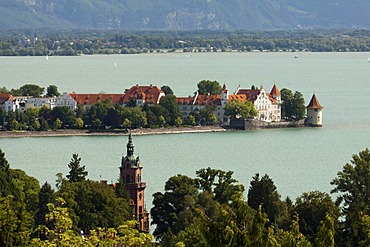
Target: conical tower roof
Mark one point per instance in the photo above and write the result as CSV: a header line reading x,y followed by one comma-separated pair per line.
x,y
314,103
275,91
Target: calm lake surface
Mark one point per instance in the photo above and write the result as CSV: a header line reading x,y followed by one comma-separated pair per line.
x,y
298,160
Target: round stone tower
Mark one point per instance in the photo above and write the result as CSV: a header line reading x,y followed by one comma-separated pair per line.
x,y
314,112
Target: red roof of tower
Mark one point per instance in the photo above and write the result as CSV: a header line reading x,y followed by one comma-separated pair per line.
x,y
314,103
275,91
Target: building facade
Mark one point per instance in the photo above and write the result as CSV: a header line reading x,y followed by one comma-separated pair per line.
x,y
268,105
130,173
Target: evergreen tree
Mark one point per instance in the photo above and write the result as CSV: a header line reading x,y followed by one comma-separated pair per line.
x,y
46,195
77,172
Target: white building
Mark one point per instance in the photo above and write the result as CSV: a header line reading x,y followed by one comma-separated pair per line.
x,y
268,105
66,100
40,102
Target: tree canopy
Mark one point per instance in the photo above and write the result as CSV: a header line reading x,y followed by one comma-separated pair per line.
x,y
353,187
292,106
239,109
52,90
209,87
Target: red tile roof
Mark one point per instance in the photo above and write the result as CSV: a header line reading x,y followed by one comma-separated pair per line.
x,y
185,100
271,98
314,103
4,97
241,97
89,99
204,99
275,91
150,93
251,94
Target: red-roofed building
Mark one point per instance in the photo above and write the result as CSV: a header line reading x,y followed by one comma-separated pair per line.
x,y
143,94
12,103
267,104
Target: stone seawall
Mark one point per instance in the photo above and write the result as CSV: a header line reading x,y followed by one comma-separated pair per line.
x,y
256,124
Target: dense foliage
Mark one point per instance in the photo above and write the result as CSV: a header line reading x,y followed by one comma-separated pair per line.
x,y
208,210
292,106
71,43
30,216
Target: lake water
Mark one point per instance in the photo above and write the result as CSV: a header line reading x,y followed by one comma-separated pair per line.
x,y
298,160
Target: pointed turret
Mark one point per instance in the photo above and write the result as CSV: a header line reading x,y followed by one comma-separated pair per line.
x,y
314,112
314,103
130,146
275,91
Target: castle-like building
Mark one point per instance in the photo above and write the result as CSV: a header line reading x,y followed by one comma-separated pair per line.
x,y
130,174
268,105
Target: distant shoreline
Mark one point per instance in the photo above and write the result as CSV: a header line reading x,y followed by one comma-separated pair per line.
x,y
142,131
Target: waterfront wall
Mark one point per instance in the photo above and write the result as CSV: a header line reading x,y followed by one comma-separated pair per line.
x,y
257,124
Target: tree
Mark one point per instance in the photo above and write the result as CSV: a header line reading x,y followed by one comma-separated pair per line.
x,y
126,123
239,109
292,107
52,91
313,207
191,120
57,124
45,196
65,115
77,172
353,186
30,90
135,115
166,89
169,103
79,123
178,121
93,204
4,164
209,87
172,210
262,191
14,125
325,235
206,115
60,233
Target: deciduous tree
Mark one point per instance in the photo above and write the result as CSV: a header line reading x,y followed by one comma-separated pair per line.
x,y
52,90
209,87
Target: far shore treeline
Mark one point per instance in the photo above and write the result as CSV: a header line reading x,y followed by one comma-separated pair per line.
x,y
212,209
76,42
106,115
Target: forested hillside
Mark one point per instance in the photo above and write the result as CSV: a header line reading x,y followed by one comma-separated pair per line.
x,y
184,15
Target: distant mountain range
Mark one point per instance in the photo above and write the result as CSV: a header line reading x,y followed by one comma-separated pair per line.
x,y
185,14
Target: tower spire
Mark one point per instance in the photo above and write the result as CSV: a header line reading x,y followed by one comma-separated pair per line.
x,y
130,146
